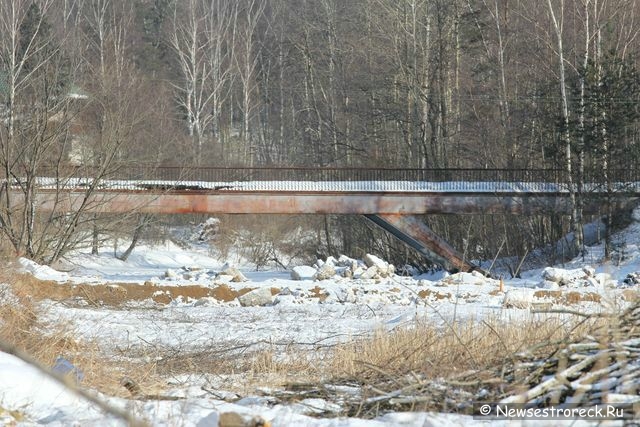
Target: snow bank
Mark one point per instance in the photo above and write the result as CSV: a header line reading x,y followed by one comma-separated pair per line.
x,y
42,272
32,398
28,391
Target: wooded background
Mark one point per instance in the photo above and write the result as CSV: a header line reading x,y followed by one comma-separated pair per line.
x,y
392,83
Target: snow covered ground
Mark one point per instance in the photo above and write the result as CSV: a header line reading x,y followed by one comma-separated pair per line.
x,y
333,301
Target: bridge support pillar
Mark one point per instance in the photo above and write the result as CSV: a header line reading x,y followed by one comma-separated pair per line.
x,y
415,233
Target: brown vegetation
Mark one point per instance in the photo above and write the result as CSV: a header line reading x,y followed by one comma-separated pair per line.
x,y
567,297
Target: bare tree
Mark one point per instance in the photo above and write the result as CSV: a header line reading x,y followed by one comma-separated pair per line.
x,y
36,112
190,42
114,122
249,13
220,19
202,40
412,25
426,48
55,99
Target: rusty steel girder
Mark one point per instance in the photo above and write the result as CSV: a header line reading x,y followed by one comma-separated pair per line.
x,y
225,202
393,211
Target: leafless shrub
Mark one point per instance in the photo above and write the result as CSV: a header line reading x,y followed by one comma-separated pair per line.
x,y
268,240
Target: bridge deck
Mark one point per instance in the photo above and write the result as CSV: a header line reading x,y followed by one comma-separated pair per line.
x,y
493,187
320,190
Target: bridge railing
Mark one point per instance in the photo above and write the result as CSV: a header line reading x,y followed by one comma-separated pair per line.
x,y
302,178
229,174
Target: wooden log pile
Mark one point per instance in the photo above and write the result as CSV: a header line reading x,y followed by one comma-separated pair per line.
x,y
602,368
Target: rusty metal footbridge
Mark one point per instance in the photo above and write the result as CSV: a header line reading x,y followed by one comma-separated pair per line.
x,y
391,198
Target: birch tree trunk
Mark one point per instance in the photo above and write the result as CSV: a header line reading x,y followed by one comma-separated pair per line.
x,y
557,23
579,232
246,59
198,58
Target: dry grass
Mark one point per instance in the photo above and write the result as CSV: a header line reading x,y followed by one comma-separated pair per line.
x,y
424,351
463,357
445,352
20,325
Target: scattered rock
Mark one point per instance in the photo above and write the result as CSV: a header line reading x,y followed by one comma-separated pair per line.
x,y
235,419
223,278
303,272
286,299
518,298
331,261
369,273
65,368
371,268
347,273
170,274
575,277
256,297
391,269
326,271
476,273
384,269
548,284
372,260
345,261
358,272
239,278
632,279
236,275
407,271
205,302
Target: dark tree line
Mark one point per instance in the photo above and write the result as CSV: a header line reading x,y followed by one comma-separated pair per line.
x,y
394,83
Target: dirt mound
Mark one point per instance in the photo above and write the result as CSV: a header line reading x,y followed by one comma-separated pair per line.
x,y
567,298
118,294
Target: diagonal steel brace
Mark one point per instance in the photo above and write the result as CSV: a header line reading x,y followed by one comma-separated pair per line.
x,y
415,233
